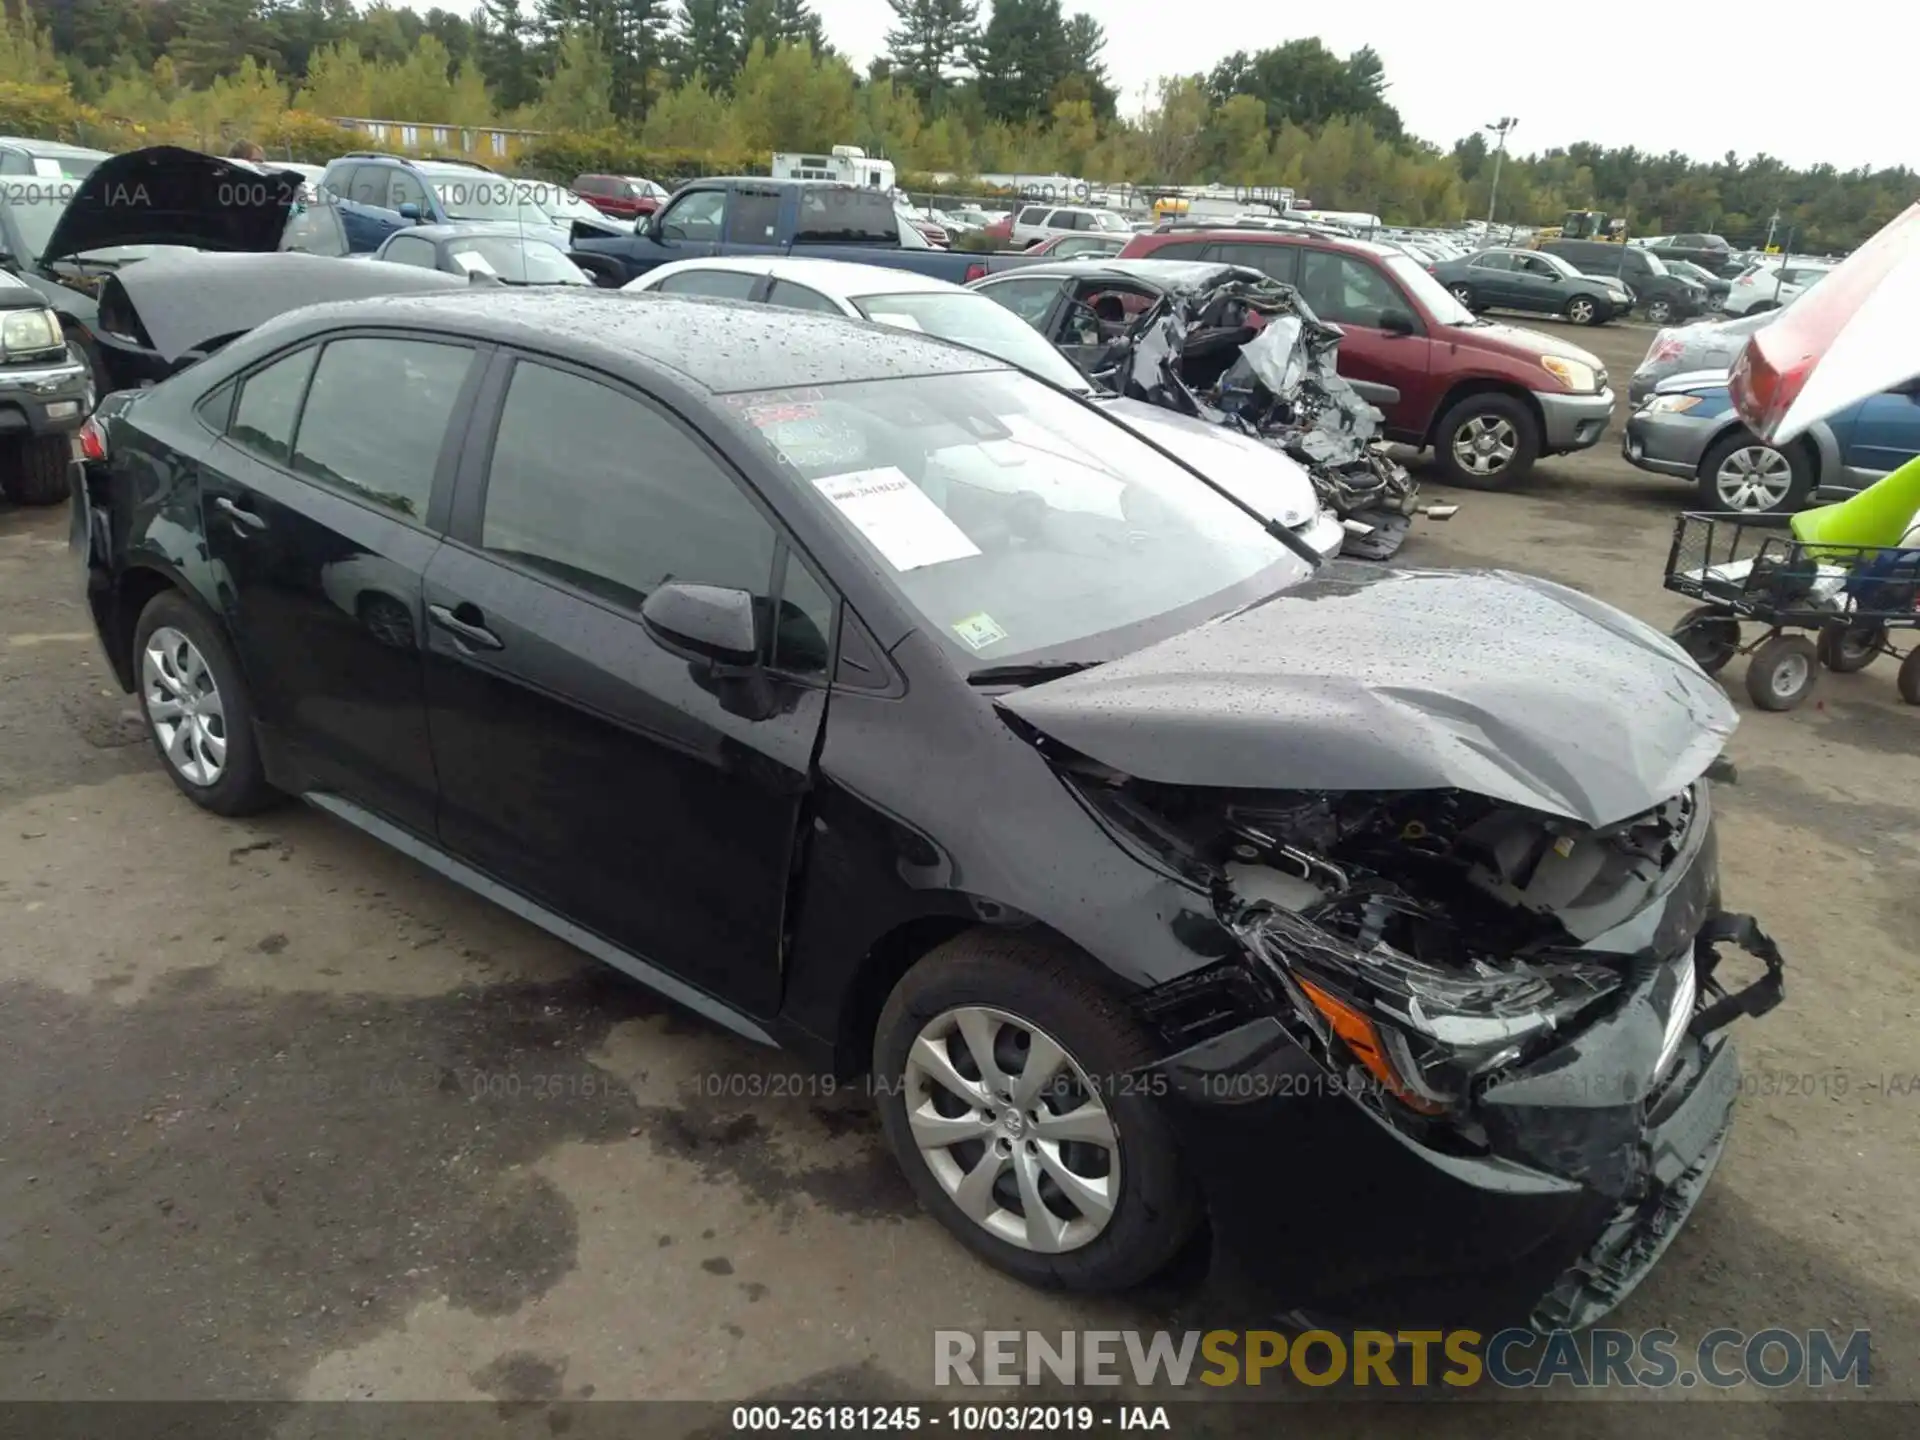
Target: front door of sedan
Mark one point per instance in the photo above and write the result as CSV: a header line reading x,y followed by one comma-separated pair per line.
x,y
1537,286
580,761
321,506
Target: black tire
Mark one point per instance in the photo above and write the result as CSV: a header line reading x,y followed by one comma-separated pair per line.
x,y
1782,672
1586,310
1707,477
1659,312
1464,294
1909,679
1710,636
1492,406
1845,649
37,469
241,787
1055,989
1761,307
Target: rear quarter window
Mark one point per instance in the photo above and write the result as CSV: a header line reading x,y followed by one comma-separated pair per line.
x,y
844,214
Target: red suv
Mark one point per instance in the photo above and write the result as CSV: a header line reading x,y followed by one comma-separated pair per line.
x,y
1489,398
626,197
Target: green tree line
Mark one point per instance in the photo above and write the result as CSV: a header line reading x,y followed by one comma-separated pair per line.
x,y
964,87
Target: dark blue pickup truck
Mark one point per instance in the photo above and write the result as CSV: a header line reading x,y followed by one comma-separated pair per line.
x,y
757,216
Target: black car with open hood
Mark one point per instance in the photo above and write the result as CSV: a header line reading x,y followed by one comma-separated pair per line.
x,y
66,237
915,714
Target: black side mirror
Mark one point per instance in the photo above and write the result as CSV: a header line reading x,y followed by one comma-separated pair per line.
x,y
707,623
1396,322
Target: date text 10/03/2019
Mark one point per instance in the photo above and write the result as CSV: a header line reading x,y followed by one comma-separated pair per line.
x,y
952,1419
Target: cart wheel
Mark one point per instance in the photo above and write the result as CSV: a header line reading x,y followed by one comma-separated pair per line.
x,y
1710,636
1845,649
1781,673
1910,677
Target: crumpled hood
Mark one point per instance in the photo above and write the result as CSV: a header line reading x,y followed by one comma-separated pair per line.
x,y
1258,475
166,195
1361,678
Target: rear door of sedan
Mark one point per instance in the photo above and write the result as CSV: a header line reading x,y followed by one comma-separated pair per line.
x,y
323,502
582,763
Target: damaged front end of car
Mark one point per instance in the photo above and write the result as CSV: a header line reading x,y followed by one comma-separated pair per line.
x,y
1281,387
1458,1053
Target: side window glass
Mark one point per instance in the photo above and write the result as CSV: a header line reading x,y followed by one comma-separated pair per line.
x,y
1275,261
1344,290
375,419
799,297
269,404
1029,299
408,250
1493,260
1032,215
803,629
1181,250
754,218
603,491
697,217
370,185
726,284
404,189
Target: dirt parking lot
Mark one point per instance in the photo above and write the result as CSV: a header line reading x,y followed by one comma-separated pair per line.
x,y
283,1115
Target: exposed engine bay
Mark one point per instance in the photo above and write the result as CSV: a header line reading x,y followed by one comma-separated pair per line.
x,y
1429,943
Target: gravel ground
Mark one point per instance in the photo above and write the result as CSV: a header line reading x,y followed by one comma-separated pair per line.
x,y
285,1116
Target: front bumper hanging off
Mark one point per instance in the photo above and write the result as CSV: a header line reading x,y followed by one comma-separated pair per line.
x,y
1320,1206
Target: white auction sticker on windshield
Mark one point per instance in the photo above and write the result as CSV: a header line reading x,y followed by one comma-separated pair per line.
x,y
900,518
472,260
48,169
979,631
897,320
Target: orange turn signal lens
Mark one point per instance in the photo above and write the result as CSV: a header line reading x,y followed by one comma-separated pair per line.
x,y
1357,1031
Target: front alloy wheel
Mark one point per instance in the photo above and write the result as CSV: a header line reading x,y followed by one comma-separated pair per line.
x,y
1012,1129
1485,445
1754,478
1659,312
184,706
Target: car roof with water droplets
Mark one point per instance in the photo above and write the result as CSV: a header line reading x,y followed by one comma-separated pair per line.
x,y
723,346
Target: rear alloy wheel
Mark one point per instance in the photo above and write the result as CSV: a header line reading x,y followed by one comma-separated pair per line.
x,y
1741,474
196,707
37,469
1462,293
1002,1068
1659,312
1487,441
1582,310
1782,672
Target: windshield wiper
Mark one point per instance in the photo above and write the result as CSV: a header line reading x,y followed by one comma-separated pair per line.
x,y
1033,672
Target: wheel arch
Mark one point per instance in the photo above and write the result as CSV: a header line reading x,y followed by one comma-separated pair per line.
x,y
1807,445
1483,385
133,590
896,951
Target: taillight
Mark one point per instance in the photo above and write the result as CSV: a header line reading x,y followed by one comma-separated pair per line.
x,y
93,440
975,271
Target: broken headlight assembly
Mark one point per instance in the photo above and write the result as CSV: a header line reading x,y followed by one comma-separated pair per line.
x,y
1424,1033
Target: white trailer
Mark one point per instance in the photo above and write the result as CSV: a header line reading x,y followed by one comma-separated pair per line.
x,y
848,164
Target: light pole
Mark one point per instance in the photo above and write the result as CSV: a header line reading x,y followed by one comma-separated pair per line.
x,y
1499,127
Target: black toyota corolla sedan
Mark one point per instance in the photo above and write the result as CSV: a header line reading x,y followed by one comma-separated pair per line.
x,y
879,701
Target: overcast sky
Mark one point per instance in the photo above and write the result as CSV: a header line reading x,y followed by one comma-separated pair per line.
x,y
1805,84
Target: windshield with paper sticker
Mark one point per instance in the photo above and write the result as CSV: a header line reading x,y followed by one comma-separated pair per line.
x,y
1012,517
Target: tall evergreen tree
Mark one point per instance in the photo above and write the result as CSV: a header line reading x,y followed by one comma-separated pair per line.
x,y
1022,57
1086,38
708,41
507,43
929,49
